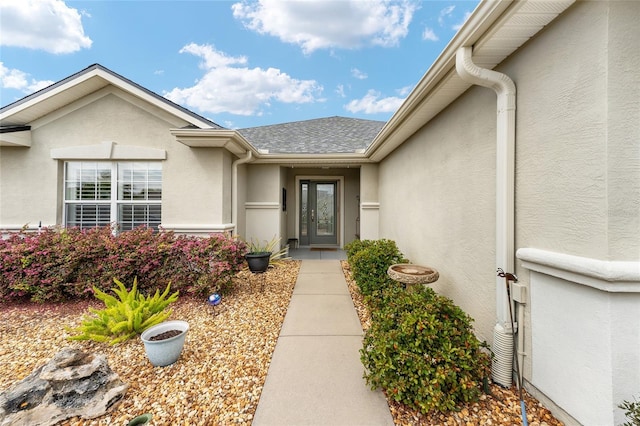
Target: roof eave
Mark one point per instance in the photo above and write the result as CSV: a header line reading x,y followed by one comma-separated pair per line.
x,y
16,138
93,78
313,160
231,140
441,85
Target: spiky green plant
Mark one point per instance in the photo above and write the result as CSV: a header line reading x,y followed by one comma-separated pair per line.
x,y
278,253
125,316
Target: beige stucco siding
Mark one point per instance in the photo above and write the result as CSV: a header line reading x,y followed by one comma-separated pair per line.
x,y
437,201
262,207
196,182
561,139
577,163
623,133
578,134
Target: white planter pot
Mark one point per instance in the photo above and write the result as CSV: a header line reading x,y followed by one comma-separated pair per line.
x,y
167,351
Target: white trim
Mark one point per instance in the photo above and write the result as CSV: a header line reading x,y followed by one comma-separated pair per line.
x,y
340,207
261,205
108,150
609,276
18,138
369,205
214,228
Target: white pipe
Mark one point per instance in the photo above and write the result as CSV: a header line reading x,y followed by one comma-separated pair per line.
x,y
505,159
234,189
505,187
520,347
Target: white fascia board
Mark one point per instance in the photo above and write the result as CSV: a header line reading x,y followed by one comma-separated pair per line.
x,y
231,140
151,99
440,85
20,138
338,159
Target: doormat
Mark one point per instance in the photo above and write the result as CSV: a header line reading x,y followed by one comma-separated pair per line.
x,y
323,249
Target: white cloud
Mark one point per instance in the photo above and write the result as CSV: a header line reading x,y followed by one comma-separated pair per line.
x,y
239,90
404,91
429,34
371,103
48,25
445,14
19,80
325,24
340,91
358,74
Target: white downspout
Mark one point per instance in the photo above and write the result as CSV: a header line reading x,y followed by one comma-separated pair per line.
x,y
234,189
505,187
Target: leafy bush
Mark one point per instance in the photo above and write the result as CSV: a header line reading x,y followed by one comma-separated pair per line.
x,y
369,262
421,350
206,265
126,316
62,264
355,246
632,412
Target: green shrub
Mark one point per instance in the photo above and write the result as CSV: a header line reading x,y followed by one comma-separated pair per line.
x,y
125,316
421,350
65,264
370,261
632,412
355,246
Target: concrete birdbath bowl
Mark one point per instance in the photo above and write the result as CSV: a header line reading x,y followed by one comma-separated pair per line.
x,y
412,275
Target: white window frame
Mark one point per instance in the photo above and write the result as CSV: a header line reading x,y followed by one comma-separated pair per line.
x,y
114,202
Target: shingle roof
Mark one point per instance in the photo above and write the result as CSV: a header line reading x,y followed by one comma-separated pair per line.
x,y
319,136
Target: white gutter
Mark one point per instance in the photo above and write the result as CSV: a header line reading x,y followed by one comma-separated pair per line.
x,y
234,188
505,159
505,177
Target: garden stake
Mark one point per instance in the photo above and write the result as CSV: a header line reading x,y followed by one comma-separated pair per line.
x,y
512,277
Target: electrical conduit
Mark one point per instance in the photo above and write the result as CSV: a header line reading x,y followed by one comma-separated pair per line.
x,y
505,177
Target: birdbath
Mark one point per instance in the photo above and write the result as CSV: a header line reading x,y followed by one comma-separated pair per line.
x,y
412,275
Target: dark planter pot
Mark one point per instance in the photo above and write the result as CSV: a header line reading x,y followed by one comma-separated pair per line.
x,y
258,262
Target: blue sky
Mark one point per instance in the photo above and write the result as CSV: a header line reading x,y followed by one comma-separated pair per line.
x,y
237,63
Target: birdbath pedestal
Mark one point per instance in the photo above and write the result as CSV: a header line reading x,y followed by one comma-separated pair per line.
x,y
412,275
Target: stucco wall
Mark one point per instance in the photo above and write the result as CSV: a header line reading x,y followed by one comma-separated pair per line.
x,y
262,206
196,182
437,201
577,185
578,193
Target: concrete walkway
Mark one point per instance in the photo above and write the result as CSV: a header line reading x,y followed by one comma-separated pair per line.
x,y
315,376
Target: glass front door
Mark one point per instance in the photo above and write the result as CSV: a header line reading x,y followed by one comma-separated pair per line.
x,y
318,212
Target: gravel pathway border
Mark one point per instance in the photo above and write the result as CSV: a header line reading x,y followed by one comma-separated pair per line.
x,y
219,377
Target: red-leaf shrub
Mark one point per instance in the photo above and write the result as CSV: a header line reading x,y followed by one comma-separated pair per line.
x,y
62,264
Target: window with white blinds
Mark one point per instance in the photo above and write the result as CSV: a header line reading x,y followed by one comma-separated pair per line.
x,y
100,193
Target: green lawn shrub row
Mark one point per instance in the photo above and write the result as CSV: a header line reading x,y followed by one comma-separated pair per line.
x,y
420,348
369,261
65,264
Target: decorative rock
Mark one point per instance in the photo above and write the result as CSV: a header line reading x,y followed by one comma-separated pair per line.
x,y
72,384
